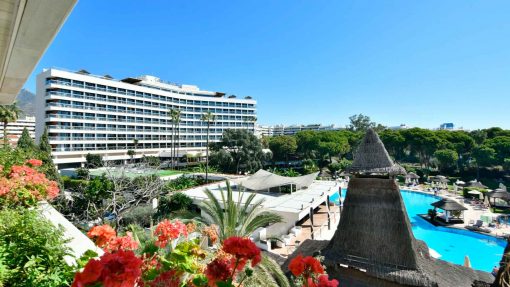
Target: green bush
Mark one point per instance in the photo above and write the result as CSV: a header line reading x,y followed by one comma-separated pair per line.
x,y
74,184
140,215
175,202
183,182
32,251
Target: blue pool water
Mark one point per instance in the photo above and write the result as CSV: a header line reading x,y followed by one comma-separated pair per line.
x,y
452,244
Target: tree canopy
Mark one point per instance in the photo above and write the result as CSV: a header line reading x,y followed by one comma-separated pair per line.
x,y
238,151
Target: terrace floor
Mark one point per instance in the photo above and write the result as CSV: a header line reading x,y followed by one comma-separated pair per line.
x,y
320,229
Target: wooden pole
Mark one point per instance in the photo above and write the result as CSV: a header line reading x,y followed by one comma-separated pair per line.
x,y
327,207
311,220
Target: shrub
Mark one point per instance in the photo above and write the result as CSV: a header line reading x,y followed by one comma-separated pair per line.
x,y
140,215
25,185
175,202
82,173
32,251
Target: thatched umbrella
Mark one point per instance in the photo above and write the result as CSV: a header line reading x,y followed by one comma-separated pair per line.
x,y
498,193
448,205
371,158
476,184
412,177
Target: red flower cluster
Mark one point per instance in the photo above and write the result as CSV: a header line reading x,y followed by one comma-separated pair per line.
x,y
167,230
102,234
169,278
122,243
220,269
243,249
211,232
105,237
34,162
312,272
120,269
322,281
25,185
305,266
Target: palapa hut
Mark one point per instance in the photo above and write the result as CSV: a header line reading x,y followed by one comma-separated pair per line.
x,y
454,211
476,184
440,181
374,244
499,193
412,178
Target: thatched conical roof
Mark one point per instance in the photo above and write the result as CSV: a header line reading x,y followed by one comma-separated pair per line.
x,y
476,184
499,193
372,157
374,235
412,175
448,204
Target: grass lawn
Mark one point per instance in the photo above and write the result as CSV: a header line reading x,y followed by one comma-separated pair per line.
x,y
131,173
168,172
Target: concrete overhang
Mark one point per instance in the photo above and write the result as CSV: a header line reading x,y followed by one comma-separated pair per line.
x,y
27,27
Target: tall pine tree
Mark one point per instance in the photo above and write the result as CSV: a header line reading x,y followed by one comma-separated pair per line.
x,y
45,155
26,143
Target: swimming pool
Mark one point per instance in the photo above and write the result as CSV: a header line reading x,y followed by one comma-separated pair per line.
x,y
452,244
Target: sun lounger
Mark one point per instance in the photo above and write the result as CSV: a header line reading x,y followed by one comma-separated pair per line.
x,y
478,229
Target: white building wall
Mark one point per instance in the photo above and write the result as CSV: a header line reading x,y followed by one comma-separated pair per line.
x,y
90,114
15,129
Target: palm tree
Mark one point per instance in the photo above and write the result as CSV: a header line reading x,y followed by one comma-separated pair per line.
x,y
248,120
9,113
208,118
237,218
175,117
131,153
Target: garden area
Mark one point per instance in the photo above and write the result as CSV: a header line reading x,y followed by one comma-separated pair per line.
x,y
166,248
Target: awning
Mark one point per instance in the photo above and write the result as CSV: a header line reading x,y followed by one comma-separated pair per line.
x,y
263,180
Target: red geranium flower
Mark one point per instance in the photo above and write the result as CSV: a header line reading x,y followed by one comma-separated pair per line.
x,y
323,281
169,278
219,269
34,162
119,269
101,234
122,243
305,266
90,274
242,249
167,230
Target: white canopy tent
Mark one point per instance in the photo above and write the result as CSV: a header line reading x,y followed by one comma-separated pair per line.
x,y
265,180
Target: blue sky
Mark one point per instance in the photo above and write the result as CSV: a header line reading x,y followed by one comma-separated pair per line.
x,y
421,63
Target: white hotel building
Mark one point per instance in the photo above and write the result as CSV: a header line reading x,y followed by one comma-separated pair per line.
x,y
99,115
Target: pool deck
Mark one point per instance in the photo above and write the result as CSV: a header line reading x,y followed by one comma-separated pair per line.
x,y
472,214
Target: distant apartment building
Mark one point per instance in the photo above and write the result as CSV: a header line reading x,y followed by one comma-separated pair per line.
x,y
447,126
15,129
400,127
280,130
85,114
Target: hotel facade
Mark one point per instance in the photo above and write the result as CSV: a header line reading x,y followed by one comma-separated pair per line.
x,y
15,129
85,114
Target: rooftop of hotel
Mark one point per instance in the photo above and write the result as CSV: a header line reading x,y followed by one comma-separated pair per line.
x,y
154,82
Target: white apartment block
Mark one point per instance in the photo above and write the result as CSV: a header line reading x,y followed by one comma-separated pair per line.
x,y
280,130
85,114
15,129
